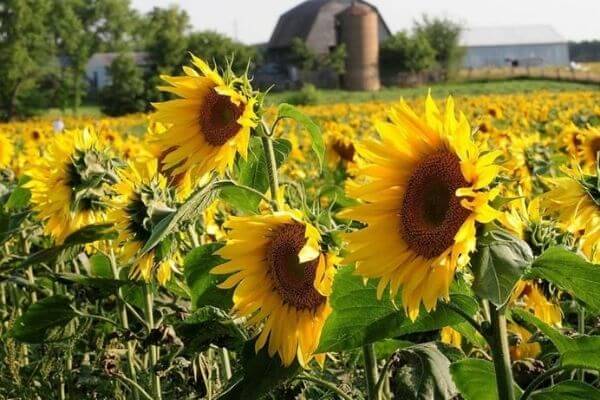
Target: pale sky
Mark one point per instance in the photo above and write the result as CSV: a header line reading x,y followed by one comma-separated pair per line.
x,y
252,21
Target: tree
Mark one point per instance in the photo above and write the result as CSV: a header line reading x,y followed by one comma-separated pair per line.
x,y
215,47
24,51
125,94
443,36
304,58
164,32
404,53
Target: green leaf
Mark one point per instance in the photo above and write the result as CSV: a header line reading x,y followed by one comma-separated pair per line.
x,y
194,205
571,273
424,374
105,285
39,323
498,263
261,374
206,326
101,266
11,224
87,234
18,199
203,285
318,145
476,379
359,318
569,390
577,352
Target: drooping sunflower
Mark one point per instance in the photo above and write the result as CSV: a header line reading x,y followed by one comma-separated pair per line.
x,y
575,200
71,184
529,295
523,347
423,188
282,281
208,124
142,200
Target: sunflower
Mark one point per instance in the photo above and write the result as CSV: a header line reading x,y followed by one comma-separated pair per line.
x,y
208,125
423,189
7,151
340,148
142,200
450,336
523,347
71,184
281,281
575,200
590,148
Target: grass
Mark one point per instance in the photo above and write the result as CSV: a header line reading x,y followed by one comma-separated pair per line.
x,y
441,90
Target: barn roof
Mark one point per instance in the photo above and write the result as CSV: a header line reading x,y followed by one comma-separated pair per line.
x,y
298,22
510,35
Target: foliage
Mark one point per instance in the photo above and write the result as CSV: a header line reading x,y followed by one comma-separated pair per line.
x,y
402,52
125,94
442,34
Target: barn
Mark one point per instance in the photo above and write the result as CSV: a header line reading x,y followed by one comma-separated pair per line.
x,y
517,46
323,25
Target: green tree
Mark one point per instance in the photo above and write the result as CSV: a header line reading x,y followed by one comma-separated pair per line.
x,y
24,52
218,48
404,53
306,59
164,35
443,35
125,94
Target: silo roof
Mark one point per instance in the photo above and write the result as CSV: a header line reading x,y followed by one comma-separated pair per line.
x,y
510,35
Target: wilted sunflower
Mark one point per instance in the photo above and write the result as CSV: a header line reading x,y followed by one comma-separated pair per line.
x,y
281,279
72,182
522,347
142,200
575,199
423,193
208,125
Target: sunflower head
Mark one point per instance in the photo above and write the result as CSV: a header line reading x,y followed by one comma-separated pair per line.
x,y
208,124
423,187
530,295
72,184
521,346
282,281
142,201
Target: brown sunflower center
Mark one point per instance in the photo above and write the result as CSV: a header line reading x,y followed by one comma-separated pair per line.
x,y
595,146
218,118
344,150
431,213
293,281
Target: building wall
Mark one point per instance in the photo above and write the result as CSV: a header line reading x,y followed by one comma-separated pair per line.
x,y
526,55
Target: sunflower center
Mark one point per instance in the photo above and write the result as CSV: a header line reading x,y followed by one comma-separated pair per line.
x,y
293,281
431,213
218,118
345,151
595,146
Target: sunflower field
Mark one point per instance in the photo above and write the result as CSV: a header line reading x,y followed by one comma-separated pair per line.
x,y
224,248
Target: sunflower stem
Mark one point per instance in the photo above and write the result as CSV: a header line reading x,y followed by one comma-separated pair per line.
x,y
153,349
125,323
540,379
581,331
325,384
498,340
371,371
271,166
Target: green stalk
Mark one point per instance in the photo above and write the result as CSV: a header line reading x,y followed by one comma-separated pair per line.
x,y
125,323
498,341
153,349
267,143
540,379
371,371
581,330
325,384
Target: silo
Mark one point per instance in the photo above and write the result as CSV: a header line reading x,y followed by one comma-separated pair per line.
x,y
358,30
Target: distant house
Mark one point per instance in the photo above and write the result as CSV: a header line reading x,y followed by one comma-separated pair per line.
x,y
317,23
531,45
98,65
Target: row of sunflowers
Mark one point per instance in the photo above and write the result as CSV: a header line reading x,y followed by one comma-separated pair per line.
x,y
223,248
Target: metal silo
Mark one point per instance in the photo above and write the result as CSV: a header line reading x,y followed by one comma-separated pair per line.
x,y
358,30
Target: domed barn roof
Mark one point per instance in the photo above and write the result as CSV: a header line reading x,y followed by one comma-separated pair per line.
x,y
313,21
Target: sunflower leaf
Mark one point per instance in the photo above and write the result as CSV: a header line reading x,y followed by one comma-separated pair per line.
x,y
359,318
569,390
202,284
476,379
498,263
571,273
43,318
318,145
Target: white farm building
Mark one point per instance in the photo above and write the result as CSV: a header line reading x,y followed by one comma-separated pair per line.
x,y
517,46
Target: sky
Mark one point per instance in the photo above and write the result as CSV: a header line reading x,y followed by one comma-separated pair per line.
x,y
252,21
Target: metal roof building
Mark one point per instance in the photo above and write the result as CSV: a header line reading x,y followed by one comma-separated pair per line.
x,y
531,45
